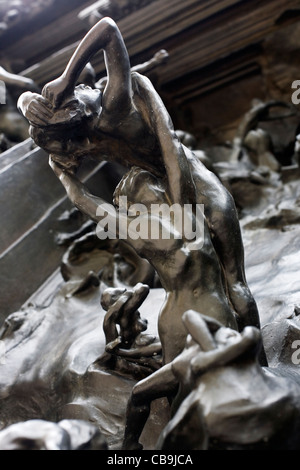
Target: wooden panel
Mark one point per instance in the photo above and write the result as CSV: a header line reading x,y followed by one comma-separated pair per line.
x,y
196,34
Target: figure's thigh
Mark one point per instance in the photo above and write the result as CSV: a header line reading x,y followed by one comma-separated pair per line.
x,y
160,384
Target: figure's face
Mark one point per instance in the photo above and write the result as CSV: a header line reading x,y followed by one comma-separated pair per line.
x,y
134,328
140,325
131,328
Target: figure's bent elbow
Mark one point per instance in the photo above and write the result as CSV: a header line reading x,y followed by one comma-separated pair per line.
x,y
108,25
109,22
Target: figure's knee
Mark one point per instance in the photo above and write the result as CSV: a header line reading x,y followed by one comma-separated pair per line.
x,y
137,394
143,392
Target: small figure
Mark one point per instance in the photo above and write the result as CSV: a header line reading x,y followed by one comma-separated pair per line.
x,y
259,144
256,139
142,351
159,58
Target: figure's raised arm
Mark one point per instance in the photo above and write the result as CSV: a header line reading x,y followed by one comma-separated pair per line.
x,y
181,188
83,199
104,35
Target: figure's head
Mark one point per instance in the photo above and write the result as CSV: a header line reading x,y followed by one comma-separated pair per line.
x,y
110,296
89,99
63,131
140,186
83,106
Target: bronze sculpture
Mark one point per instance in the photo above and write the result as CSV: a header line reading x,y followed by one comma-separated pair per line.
x,y
221,393
128,350
129,123
190,277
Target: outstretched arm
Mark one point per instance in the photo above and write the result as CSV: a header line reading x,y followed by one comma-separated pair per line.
x,y
98,209
135,353
17,80
139,294
160,57
104,35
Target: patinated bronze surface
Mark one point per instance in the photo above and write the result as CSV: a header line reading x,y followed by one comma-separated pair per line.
x,y
209,401
208,324
131,112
